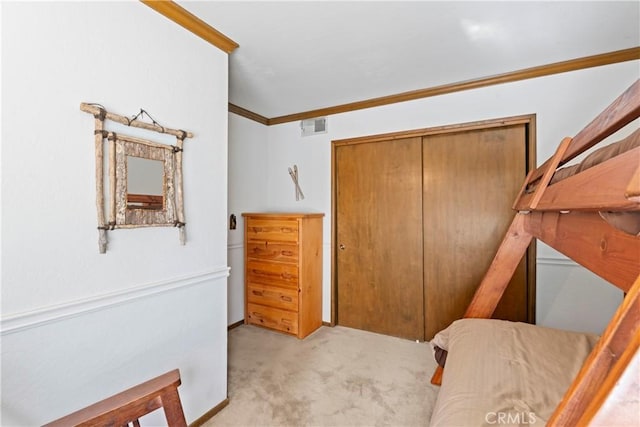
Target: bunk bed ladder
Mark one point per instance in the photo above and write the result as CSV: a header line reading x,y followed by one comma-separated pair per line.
x,y
528,201
560,219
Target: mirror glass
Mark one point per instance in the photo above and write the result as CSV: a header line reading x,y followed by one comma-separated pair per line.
x,y
145,183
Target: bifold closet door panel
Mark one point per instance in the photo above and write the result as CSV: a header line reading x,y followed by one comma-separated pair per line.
x,y
379,237
470,181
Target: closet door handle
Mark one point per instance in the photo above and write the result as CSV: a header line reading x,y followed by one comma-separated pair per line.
x,y
342,247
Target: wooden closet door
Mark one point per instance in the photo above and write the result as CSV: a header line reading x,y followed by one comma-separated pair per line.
x,y
379,237
470,182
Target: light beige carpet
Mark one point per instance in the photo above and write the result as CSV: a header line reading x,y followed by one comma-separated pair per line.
x,y
335,377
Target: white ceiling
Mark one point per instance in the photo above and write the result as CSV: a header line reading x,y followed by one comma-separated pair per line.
x,y
296,56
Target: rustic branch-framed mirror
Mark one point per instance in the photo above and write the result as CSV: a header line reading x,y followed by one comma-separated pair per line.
x,y
144,177
141,169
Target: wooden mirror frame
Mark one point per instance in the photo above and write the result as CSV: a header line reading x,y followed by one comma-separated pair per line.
x,y
127,216
120,146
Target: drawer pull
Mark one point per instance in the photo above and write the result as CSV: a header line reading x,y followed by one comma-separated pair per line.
x,y
285,298
286,276
258,293
287,253
256,314
286,229
257,229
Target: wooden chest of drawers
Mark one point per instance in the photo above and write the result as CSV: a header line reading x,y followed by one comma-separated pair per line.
x,y
283,271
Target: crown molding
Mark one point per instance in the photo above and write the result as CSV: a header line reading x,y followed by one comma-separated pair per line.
x,y
188,20
512,76
248,114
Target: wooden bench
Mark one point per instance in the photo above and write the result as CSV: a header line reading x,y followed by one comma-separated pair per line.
x,y
128,406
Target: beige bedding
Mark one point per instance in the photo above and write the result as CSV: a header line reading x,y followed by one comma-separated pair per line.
x,y
505,373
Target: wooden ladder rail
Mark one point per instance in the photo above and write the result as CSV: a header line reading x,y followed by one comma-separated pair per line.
x,y
605,364
615,375
128,406
513,247
529,201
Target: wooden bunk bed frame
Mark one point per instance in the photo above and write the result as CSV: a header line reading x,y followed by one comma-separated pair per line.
x,y
566,216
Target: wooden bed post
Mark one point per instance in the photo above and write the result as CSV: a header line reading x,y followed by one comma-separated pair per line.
x,y
609,384
593,383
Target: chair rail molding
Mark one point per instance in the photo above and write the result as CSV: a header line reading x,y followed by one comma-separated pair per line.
x,y
564,262
42,316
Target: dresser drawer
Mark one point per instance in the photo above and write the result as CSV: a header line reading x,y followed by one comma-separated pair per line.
x,y
285,230
272,296
273,251
272,273
282,320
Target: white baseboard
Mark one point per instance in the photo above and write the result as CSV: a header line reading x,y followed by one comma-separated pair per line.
x,y
42,316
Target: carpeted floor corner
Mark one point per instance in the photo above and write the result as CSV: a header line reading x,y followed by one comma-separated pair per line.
x,y
335,377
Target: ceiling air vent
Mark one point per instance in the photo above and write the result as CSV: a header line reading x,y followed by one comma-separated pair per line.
x,y
314,126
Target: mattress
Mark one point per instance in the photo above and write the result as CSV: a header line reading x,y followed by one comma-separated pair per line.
x,y
505,373
629,222
599,156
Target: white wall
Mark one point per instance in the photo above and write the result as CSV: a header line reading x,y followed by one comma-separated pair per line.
x,y
563,103
248,148
76,325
